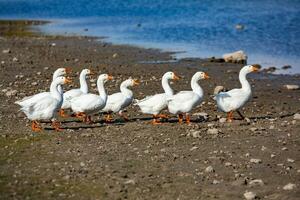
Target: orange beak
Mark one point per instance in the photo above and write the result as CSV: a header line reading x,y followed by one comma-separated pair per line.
x,y
68,70
206,76
67,80
175,77
136,82
110,77
255,69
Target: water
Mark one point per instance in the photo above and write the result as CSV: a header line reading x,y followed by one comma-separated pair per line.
x,y
194,28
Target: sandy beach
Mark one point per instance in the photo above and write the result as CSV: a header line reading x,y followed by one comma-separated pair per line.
x,y
207,159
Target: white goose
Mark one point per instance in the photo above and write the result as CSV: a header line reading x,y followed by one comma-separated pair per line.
x,y
235,99
118,101
156,103
87,104
58,73
44,107
69,95
183,102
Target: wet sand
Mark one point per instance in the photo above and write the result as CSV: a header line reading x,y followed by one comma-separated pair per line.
x,y
136,160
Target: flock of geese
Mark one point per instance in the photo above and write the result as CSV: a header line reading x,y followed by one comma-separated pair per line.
x,y
47,105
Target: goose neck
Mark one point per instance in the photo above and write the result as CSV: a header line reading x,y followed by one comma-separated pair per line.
x,y
243,80
166,86
196,87
125,90
54,91
101,90
83,83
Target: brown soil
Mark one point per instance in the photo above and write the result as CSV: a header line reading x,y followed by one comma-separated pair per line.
x,y
137,160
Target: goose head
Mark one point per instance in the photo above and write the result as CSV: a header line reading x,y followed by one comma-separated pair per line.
x,y
250,68
61,72
87,72
201,75
170,75
104,78
62,80
131,82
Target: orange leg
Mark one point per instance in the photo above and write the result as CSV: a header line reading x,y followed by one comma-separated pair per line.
x,y
163,116
188,118
230,116
56,126
88,119
81,115
155,121
180,118
35,126
62,113
108,118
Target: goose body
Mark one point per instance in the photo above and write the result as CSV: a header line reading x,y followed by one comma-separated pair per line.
x,y
88,104
69,95
119,101
235,99
27,100
44,107
183,102
156,103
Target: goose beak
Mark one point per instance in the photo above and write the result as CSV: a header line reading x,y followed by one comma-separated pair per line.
x,y
255,68
110,77
68,70
67,80
206,76
136,82
175,77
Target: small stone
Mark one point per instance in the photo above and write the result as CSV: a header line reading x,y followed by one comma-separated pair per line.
x,y
239,27
15,59
195,134
193,148
239,182
11,93
273,155
212,131
82,164
256,182
215,182
292,87
34,83
271,127
201,115
289,186
227,164
6,51
130,181
297,116
249,195
53,44
253,129
209,169
290,160
222,120
115,55
255,160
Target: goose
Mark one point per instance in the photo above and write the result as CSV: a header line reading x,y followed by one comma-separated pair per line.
x,y
235,99
184,101
87,104
44,107
118,101
69,95
58,73
156,103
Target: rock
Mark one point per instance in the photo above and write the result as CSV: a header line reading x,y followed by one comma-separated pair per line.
x,y
289,186
290,160
218,89
15,59
227,164
292,87
297,116
286,67
255,160
236,57
130,181
11,93
195,134
239,182
239,27
115,55
53,44
6,51
215,182
201,115
209,169
256,182
249,195
222,120
212,131
82,164
193,148
253,129
34,83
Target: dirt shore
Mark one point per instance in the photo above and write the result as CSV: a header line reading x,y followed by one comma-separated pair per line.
x,y
136,160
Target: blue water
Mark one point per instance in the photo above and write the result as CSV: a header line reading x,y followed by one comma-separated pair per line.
x,y
195,28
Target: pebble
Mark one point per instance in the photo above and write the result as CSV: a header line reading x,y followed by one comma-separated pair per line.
x,y
297,116
212,131
222,120
209,169
249,195
292,87
227,164
195,134
6,51
15,59
82,164
34,83
215,182
256,182
201,114
130,181
290,160
253,129
289,186
193,148
115,55
255,160
11,93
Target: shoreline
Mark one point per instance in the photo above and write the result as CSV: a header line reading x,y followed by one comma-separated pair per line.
x,y
136,160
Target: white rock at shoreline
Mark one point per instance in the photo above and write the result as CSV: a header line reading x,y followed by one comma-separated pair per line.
x,y
249,195
235,57
289,186
297,116
292,87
